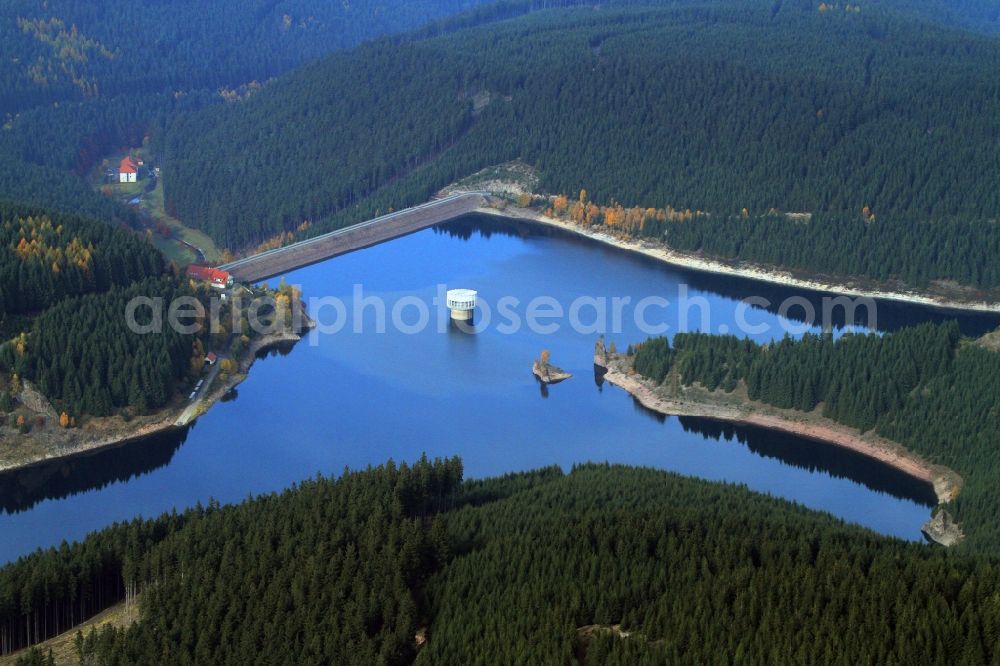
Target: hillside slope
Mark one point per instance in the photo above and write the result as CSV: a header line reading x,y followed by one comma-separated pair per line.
x,y
80,80
716,106
67,49
401,565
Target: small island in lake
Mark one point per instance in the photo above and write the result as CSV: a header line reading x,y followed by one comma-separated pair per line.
x,y
546,372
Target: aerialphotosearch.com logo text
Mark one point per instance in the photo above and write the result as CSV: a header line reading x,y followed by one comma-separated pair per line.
x,y
363,313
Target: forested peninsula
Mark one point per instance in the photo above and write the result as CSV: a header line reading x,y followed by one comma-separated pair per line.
x,y
920,399
73,375
39,422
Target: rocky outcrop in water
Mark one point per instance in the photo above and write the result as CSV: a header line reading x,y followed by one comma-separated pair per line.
x,y
943,529
546,372
600,353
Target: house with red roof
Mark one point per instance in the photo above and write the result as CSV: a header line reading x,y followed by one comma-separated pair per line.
x,y
213,276
128,170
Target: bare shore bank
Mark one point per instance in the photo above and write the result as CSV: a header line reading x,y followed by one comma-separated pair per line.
x,y
946,482
661,252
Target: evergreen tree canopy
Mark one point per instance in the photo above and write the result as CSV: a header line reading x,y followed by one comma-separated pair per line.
x,y
865,118
541,567
923,387
83,356
46,256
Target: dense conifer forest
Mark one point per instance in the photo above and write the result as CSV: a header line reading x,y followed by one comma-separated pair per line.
x,y
915,251
979,15
715,107
65,280
879,119
119,352
46,256
84,79
719,108
84,358
508,570
924,387
73,49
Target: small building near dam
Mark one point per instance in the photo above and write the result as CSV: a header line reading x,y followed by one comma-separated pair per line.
x,y
217,279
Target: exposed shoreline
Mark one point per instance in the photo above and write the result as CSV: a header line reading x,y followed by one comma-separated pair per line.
x,y
743,270
164,420
945,482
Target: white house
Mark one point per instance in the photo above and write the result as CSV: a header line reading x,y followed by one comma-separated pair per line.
x,y
128,170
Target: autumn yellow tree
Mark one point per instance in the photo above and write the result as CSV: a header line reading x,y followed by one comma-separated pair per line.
x,y
633,219
64,420
560,204
21,343
614,216
282,309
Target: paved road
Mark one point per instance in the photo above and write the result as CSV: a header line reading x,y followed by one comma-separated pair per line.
x,y
191,410
377,230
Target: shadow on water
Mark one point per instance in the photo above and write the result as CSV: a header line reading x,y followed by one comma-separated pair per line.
x,y
814,455
890,315
277,349
22,489
804,453
642,409
599,372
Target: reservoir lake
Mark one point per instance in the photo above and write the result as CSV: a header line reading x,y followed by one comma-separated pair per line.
x,y
353,399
